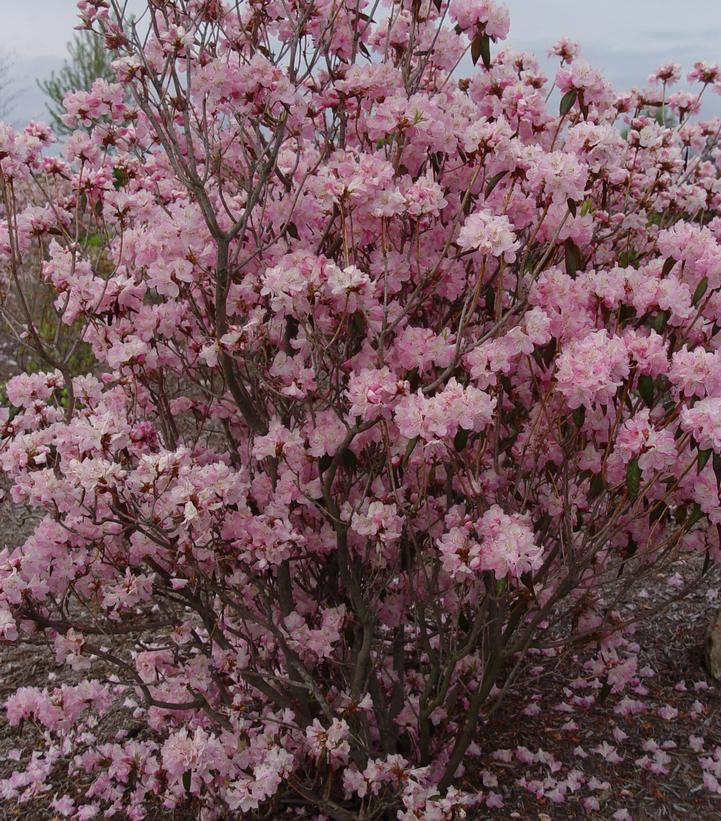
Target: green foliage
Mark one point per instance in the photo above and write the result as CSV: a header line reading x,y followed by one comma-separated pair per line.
x,y
88,60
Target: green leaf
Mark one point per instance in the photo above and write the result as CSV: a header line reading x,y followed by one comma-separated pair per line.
x,y
696,514
493,182
667,266
573,257
579,416
486,50
597,486
468,203
703,457
700,291
120,178
413,379
659,321
186,780
628,258
633,478
490,300
645,388
658,511
292,230
476,48
93,241
571,206
357,323
481,47
717,468
625,313
460,440
409,450
567,102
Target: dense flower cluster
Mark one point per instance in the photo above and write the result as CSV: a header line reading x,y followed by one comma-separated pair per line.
x,y
399,373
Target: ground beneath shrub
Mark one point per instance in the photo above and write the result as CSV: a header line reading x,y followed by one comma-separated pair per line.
x,y
567,756
645,754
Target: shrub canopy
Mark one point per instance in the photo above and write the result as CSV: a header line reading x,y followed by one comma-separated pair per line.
x,y
407,363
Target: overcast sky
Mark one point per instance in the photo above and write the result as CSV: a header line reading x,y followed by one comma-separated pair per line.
x,y
627,38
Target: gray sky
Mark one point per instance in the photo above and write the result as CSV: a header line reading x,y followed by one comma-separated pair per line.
x,y
626,38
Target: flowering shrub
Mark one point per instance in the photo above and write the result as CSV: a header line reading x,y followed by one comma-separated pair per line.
x,y
400,374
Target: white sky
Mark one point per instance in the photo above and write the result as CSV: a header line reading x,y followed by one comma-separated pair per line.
x,y
627,25
626,38
40,28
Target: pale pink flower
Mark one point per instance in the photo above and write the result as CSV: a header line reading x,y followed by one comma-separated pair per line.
x,y
489,234
591,369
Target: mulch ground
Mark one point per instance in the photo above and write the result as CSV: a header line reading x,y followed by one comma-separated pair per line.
x,y
679,714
